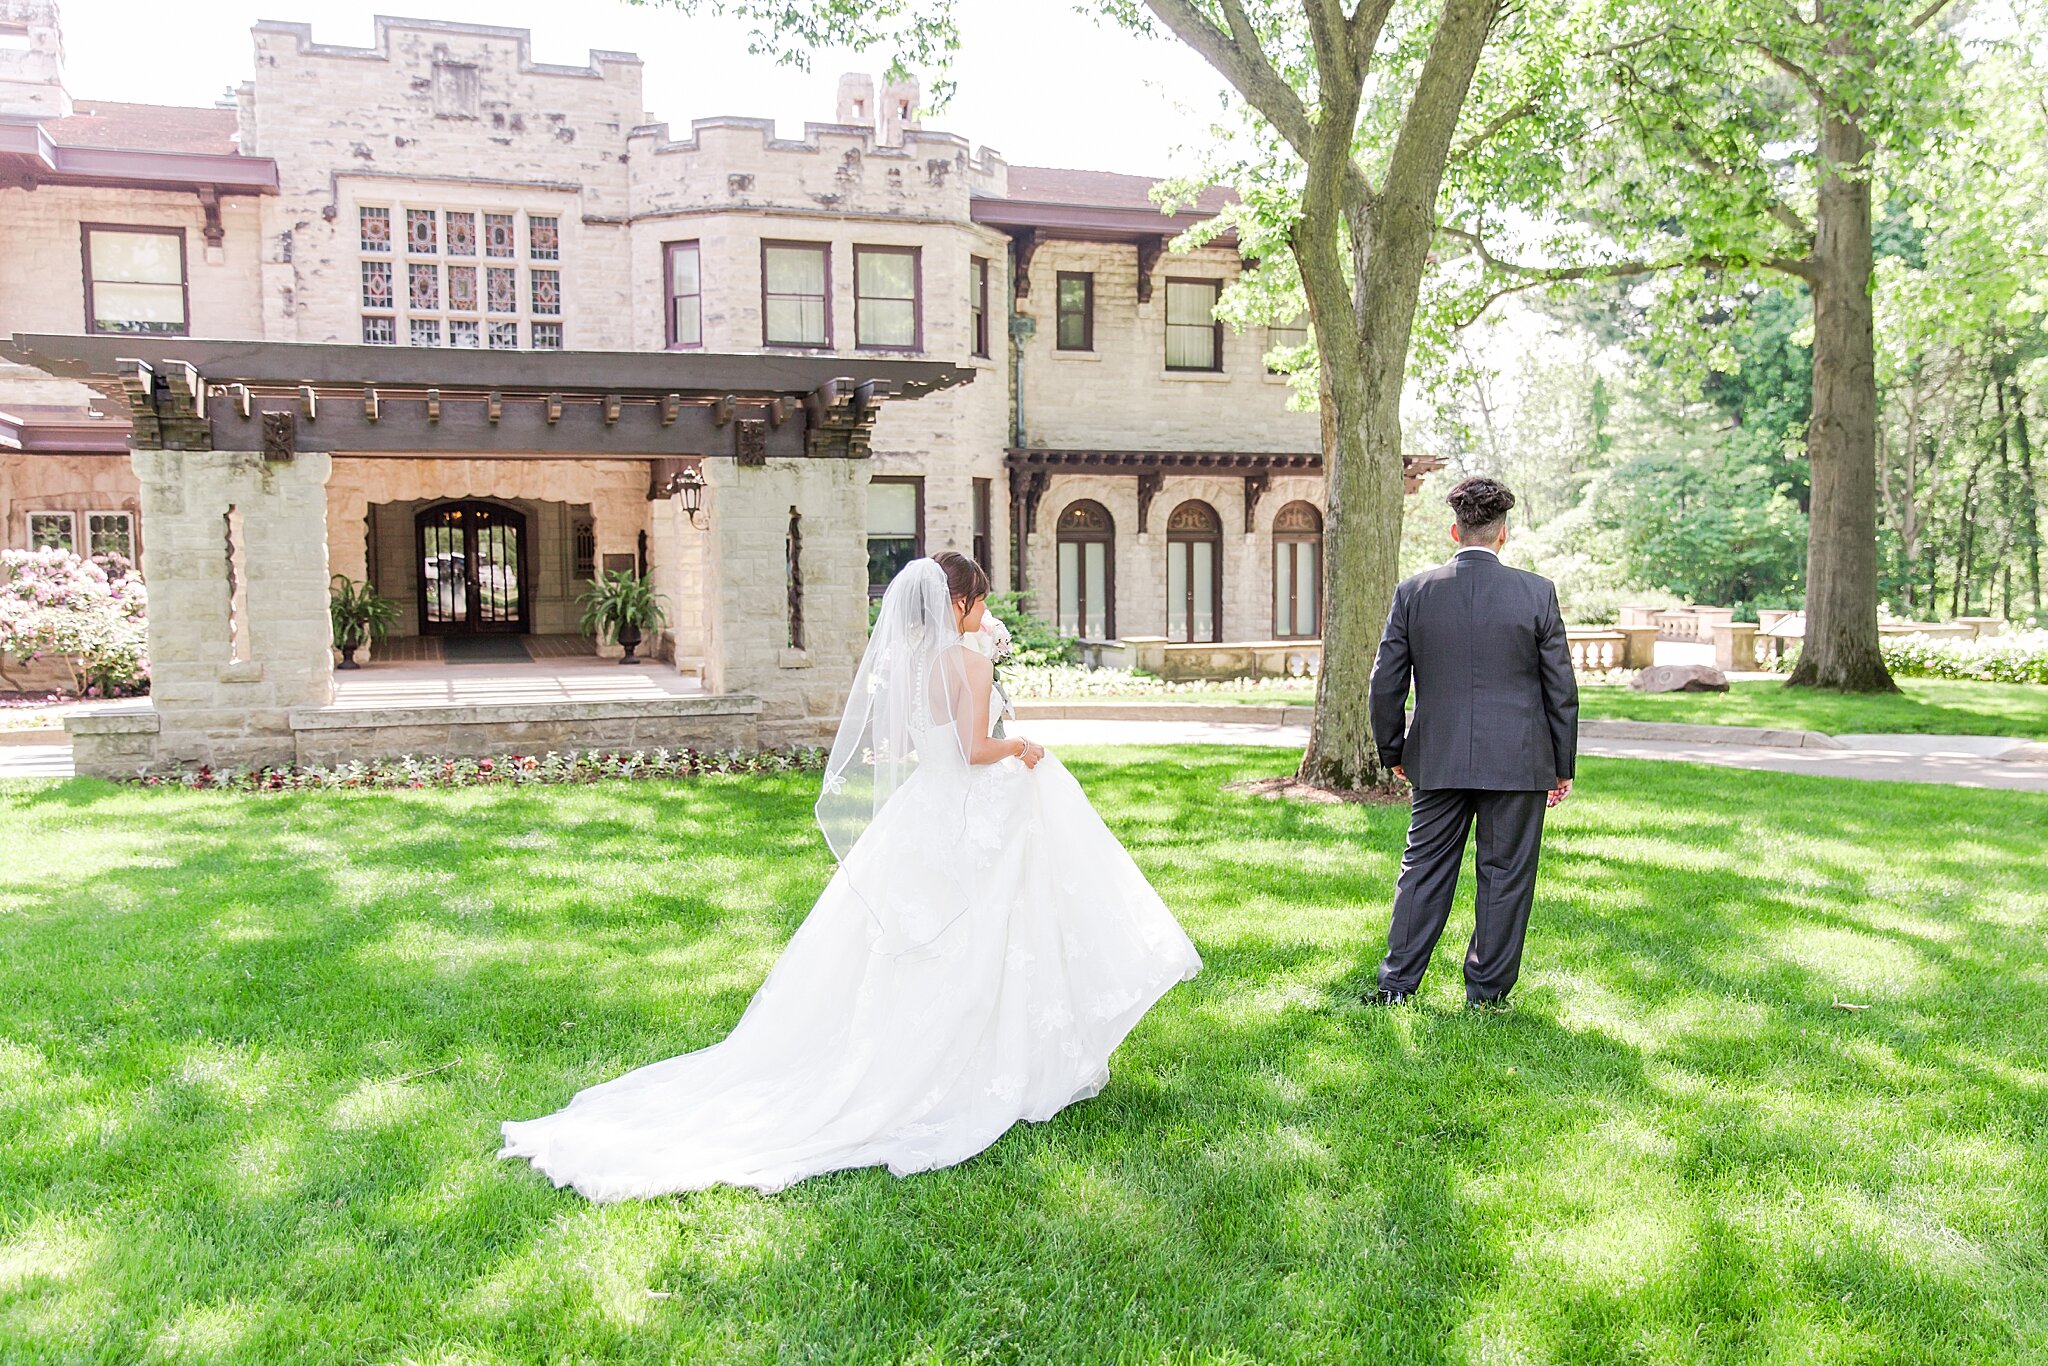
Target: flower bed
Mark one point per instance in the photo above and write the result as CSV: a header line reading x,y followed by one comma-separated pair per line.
x,y
2018,658
519,770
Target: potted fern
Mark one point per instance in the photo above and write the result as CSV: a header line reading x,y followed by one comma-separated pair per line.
x,y
360,616
622,605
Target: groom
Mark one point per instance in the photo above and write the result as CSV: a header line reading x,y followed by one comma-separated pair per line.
x,y
1493,740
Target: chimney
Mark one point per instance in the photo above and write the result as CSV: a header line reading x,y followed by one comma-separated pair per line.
x,y
898,111
32,61
857,99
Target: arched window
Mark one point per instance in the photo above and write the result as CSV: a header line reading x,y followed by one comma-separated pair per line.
x,y
1194,573
1087,546
1297,572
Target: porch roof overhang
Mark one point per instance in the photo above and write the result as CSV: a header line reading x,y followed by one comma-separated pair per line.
x,y
1032,469
51,430
195,394
1086,222
29,157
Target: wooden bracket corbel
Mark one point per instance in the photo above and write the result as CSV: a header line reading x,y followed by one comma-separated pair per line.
x,y
612,403
494,405
1023,246
722,410
671,408
1150,249
309,403
433,405
554,407
370,404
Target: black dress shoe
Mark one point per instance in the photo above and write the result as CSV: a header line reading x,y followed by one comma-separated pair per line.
x,y
1382,997
1493,1005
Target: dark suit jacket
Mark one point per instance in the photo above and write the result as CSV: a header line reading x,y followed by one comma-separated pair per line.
x,y
1496,706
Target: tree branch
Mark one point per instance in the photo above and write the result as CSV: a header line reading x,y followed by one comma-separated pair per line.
x,y
1243,62
1534,277
1926,16
1367,21
1514,113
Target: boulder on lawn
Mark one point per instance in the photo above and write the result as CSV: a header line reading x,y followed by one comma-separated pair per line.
x,y
1680,678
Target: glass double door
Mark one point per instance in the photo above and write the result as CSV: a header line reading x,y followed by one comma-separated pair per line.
x,y
472,559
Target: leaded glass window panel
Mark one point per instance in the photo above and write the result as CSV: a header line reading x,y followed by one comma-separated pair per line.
x,y
544,238
422,232
547,292
461,233
376,229
500,238
423,290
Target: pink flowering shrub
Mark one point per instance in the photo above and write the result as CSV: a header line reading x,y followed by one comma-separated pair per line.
x,y
91,614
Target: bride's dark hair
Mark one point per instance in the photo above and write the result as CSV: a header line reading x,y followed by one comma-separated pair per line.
x,y
965,580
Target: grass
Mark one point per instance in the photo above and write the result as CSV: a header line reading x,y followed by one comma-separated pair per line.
x,y
1923,706
253,1053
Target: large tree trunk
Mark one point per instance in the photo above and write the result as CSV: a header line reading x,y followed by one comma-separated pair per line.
x,y
1841,647
1364,354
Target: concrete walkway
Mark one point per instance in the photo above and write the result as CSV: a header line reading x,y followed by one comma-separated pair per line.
x,y
1956,760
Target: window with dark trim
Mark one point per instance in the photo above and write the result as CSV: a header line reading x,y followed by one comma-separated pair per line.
x,y
110,533
977,305
1194,573
1074,306
1285,338
1297,572
1194,338
982,498
53,531
685,285
1086,538
895,527
796,290
888,303
135,280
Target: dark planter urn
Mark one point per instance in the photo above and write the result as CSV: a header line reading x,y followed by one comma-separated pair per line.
x,y
348,655
629,637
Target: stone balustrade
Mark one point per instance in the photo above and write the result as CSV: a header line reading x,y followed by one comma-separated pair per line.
x,y
1178,661
1596,649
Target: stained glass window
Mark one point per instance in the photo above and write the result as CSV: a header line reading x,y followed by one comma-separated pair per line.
x,y
421,234
376,229
499,237
465,332
380,331
110,533
52,531
462,289
426,331
544,238
461,233
504,336
547,292
501,284
424,285
377,284
547,336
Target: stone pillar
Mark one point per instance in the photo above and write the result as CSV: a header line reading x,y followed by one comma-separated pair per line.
x,y
221,689
746,593
1735,646
1639,651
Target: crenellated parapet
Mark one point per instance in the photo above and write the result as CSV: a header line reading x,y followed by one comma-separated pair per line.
x,y
838,168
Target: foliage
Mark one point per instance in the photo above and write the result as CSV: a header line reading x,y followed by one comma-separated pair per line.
x,y
90,613
1034,641
554,768
257,1047
620,598
2018,658
358,611
919,37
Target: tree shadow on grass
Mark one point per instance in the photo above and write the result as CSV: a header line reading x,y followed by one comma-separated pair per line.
x,y
227,1117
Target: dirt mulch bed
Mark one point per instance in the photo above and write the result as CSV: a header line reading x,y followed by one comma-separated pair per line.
x,y
1290,788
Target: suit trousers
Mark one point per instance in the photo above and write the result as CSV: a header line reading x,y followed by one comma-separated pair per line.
x,y
1510,837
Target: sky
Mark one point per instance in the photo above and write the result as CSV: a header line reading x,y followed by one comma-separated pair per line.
x,y
1039,83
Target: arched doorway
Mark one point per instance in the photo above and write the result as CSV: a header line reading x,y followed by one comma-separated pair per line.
x,y
1087,577
473,569
1194,573
1297,572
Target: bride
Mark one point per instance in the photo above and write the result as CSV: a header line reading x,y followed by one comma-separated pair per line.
x,y
982,949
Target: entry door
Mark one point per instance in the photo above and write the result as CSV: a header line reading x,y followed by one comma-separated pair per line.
x,y
472,559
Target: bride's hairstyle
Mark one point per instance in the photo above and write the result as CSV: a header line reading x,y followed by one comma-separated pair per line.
x,y
965,580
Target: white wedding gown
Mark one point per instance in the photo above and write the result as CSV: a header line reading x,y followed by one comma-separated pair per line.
x,y
850,1056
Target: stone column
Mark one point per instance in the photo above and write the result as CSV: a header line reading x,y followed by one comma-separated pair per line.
x,y
1735,646
1639,651
228,662
746,593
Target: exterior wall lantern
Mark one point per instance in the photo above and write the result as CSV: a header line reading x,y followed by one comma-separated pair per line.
x,y
690,488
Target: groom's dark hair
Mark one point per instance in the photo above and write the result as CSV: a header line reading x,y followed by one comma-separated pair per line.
x,y
1481,506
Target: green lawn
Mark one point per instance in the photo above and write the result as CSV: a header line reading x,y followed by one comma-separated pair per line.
x,y
1924,706
253,1053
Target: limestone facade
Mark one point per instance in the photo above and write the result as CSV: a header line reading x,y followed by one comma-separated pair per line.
x,y
457,130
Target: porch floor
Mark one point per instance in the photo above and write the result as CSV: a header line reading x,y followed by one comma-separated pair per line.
x,y
433,649
584,678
